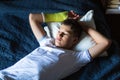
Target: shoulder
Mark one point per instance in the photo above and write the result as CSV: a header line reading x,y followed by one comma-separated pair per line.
x,y
83,56
46,41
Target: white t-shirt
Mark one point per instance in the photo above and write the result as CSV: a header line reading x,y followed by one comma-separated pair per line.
x,y
47,62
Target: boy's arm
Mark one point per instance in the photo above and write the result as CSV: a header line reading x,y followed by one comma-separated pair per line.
x,y
35,23
102,43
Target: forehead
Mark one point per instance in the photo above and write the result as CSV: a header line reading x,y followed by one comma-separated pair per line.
x,y
66,28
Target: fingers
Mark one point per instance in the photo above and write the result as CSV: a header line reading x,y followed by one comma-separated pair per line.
x,y
73,15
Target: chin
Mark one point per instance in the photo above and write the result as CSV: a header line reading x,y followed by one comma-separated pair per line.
x,y
57,44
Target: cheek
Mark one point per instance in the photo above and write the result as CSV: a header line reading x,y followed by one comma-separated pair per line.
x,y
67,40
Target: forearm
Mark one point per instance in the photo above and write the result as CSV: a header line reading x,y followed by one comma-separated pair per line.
x,y
35,21
96,36
102,43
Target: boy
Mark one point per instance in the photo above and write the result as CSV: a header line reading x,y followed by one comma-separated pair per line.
x,y
54,59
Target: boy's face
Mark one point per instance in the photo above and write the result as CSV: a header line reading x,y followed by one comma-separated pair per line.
x,y
65,37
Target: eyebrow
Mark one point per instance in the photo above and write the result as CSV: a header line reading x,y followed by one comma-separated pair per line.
x,y
69,32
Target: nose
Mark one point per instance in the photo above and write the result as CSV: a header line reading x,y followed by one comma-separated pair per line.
x,y
61,34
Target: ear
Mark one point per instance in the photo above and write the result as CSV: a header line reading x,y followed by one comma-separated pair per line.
x,y
75,40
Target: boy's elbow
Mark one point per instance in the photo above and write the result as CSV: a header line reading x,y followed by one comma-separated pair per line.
x,y
108,43
31,16
36,17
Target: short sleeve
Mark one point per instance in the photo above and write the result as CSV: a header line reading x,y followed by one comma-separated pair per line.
x,y
41,39
83,57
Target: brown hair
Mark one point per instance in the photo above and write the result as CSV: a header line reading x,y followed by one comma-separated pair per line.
x,y
75,26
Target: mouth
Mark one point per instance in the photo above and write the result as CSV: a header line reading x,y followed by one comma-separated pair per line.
x,y
58,39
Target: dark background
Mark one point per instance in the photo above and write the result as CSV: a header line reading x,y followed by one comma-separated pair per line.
x,y
113,21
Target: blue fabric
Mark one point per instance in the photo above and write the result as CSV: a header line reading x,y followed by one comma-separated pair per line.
x,y
17,39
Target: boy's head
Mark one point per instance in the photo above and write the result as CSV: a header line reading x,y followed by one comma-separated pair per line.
x,y
68,34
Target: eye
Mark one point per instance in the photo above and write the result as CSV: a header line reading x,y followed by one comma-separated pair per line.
x,y
58,31
65,33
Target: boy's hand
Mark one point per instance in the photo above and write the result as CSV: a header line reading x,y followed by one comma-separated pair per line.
x,y
73,15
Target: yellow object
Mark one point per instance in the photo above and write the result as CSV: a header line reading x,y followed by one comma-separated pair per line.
x,y
56,17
